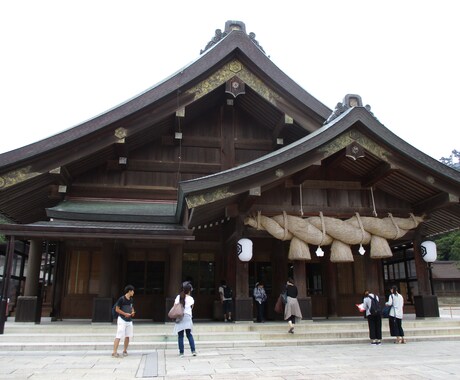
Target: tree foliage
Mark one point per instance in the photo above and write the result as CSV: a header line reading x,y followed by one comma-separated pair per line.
x,y
448,246
453,160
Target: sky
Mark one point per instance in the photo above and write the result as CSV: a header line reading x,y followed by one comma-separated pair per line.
x,y
64,62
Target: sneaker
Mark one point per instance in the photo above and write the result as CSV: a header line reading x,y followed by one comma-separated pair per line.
x,y
181,355
194,353
378,342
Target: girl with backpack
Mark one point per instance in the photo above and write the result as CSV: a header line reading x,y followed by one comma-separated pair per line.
x,y
371,305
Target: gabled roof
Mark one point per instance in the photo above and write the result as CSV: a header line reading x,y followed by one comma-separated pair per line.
x,y
390,164
237,44
28,173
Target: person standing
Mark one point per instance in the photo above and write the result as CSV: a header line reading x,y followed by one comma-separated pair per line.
x,y
292,307
124,307
396,300
374,318
185,323
226,298
260,298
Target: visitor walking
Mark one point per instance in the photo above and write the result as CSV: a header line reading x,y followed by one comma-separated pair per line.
x,y
292,307
185,323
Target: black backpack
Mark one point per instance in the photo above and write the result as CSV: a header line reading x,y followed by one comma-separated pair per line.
x,y
227,291
375,307
114,313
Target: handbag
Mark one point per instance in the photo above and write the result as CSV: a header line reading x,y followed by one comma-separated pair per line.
x,y
386,309
284,297
177,311
279,306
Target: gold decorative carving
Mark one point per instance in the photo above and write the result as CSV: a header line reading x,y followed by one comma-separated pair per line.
x,y
288,119
16,176
235,66
209,197
226,73
352,137
121,133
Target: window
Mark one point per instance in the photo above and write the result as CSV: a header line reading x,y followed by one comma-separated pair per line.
x,y
260,271
199,268
315,280
145,271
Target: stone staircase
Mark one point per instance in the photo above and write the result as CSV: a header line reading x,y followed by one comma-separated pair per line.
x,y
75,335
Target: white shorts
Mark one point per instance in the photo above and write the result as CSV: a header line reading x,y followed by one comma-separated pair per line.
x,y
124,329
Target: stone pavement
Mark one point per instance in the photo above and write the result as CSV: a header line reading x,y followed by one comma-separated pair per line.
x,y
414,360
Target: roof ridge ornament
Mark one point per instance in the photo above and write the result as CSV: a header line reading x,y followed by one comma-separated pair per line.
x,y
230,26
349,101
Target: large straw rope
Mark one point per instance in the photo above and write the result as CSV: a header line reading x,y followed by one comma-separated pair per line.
x,y
339,233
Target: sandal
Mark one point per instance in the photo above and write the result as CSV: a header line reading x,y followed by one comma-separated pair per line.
x,y
117,355
125,353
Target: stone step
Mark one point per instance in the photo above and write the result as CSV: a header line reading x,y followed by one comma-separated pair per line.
x,y
84,335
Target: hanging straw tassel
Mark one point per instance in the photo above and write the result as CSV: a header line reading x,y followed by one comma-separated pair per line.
x,y
380,249
341,252
299,250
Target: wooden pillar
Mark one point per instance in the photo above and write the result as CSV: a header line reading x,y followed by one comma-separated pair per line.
x,y
28,308
421,268
300,280
33,268
102,304
331,269
426,304
105,279
174,278
58,282
6,281
242,301
175,270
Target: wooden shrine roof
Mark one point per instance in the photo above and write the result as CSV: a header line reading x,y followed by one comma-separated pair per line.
x,y
388,163
30,176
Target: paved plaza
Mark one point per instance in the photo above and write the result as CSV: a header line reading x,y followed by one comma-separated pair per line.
x,y
414,360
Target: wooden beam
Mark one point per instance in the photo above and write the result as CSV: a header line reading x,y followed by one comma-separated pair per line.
x,y
166,166
324,184
341,213
435,202
380,172
123,192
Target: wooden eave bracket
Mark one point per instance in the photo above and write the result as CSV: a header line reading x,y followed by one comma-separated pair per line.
x,y
62,174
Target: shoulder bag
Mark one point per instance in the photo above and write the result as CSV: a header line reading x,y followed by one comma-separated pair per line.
x,y
387,308
177,311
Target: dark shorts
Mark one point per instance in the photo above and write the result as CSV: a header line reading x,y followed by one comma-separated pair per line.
x,y
227,306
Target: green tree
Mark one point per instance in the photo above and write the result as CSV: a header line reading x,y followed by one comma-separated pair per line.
x,y
448,246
